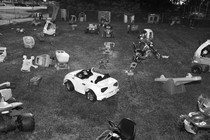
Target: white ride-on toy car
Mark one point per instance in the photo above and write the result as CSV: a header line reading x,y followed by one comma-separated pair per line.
x,y
201,59
94,85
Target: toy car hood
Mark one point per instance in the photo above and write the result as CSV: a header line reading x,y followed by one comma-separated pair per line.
x,y
199,50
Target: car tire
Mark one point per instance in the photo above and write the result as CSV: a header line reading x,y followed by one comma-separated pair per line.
x,y
196,69
69,86
90,95
25,122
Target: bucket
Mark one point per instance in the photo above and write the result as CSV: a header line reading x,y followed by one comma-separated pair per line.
x,y
28,41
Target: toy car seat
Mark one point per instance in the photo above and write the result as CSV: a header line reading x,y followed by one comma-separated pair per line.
x,y
126,129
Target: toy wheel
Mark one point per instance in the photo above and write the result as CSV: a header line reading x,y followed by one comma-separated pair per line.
x,y
196,69
180,124
90,95
69,86
25,122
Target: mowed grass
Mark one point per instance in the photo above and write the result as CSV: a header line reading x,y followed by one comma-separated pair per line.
x,y
62,115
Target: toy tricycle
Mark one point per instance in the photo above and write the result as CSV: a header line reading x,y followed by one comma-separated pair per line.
x,y
93,29
146,51
125,130
107,32
201,59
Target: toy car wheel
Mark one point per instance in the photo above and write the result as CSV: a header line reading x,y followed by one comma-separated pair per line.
x,y
69,86
196,69
90,95
25,122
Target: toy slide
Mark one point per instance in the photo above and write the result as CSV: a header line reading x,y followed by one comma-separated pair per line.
x,y
179,81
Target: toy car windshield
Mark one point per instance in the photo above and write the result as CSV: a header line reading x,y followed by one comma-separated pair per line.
x,y
83,74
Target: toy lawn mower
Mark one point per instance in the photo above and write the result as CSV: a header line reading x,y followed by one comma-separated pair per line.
x,y
147,51
11,116
199,121
201,58
92,29
107,32
125,130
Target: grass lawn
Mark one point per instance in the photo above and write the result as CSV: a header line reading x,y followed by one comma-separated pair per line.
x,y
62,115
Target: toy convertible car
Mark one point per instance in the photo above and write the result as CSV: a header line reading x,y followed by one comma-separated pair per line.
x,y
201,59
94,85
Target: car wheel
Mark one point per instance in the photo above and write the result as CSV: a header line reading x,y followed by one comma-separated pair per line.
x,y
90,95
25,122
196,69
69,86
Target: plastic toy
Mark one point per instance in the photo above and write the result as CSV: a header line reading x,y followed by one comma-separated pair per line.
x,y
201,59
132,28
107,47
11,114
204,104
176,85
147,51
28,41
35,81
36,23
82,17
62,60
107,31
125,130
27,64
93,29
20,30
95,86
196,122
146,36
43,60
3,53
49,28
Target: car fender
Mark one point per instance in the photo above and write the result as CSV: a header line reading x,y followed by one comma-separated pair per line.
x,y
95,89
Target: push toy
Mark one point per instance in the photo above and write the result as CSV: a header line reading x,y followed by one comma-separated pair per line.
x,y
93,29
125,130
3,53
176,85
95,86
201,58
43,60
27,64
49,28
28,41
62,60
108,47
107,31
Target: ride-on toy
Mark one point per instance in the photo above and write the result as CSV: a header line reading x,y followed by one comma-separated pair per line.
x,y
94,85
201,58
197,122
143,51
146,36
107,31
11,116
125,130
49,28
92,29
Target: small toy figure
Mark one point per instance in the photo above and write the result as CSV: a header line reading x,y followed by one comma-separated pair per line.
x,y
3,53
93,29
107,32
27,64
